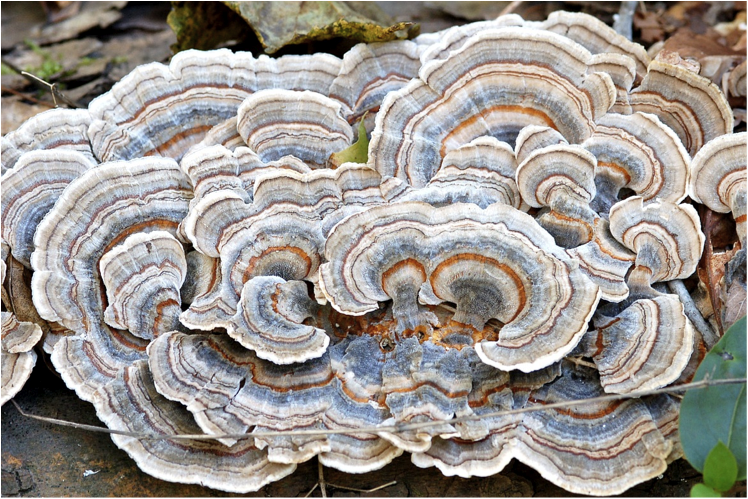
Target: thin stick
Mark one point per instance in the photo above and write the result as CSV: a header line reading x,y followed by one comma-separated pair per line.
x,y
693,314
578,361
27,97
56,94
397,428
363,491
321,478
313,489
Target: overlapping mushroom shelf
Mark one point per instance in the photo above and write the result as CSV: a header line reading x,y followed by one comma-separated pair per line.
x,y
197,265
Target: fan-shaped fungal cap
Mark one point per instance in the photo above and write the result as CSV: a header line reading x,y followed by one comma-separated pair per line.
x,y
691,105
441,44
497,83
555,172
31,188
411,251
370,71
269,320
605,261
562,178
131,403
283,240
18,356
142,277
95,212
622,71
736,80
718,177
96,209
638,152
600,448
596,36
666,238
534,137
467,458
646,346
306,125
164,110
481,172
53,129
217,167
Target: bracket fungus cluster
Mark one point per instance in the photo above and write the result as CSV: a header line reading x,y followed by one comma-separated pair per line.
x,y
199,266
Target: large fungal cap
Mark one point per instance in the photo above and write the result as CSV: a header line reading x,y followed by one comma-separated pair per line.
x,y
31,188
562,178
666,238
306,125
97,211
718,177
18,356
493,263
640,153
690,104
283,240
269,320
131,403
163,110
497,83
646,346
599,448
142,277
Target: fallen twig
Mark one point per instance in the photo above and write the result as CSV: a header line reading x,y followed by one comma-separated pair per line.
x,y
56,94
27,97
393,428
693,314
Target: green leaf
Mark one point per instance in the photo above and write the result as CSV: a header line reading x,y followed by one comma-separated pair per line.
x,y
701,490
718,413
720,468
358,152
